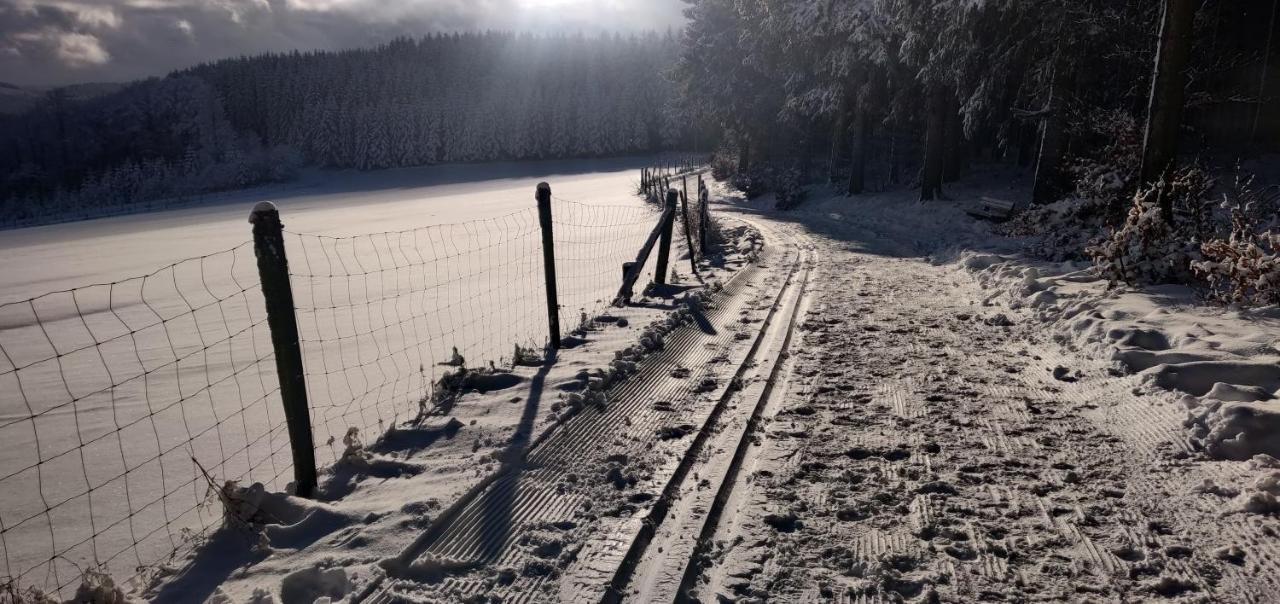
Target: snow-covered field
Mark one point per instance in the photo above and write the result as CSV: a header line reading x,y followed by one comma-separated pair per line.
x,y
43,259
108,392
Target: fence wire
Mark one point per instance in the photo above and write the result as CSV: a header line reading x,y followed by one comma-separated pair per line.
x,y
592,243
380,315
694,214
685,178
109,394
116,398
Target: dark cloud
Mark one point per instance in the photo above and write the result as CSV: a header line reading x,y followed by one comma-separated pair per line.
x,y
44,42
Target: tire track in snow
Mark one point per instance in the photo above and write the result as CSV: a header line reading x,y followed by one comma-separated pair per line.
x,y
467,553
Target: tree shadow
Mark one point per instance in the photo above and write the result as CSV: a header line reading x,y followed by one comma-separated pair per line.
x,y
497,504
415,438
225,552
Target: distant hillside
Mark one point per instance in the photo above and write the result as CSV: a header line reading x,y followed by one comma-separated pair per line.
x,y
237,122
14,99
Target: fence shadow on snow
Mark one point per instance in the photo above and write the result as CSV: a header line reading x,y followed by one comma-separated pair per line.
x,y
117,398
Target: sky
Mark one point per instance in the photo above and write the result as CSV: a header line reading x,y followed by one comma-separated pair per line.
x,y
55,42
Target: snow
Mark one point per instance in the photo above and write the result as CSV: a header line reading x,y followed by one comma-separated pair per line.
x,y
222,400
1223,363
965,423
956,421
49,258
380,496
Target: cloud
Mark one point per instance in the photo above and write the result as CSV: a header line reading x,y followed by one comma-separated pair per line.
x,y
80,50
44,42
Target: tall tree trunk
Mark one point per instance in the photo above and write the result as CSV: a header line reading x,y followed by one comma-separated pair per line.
x,y
1048,182
1026,142
858,153
806,156
955,144
1266,69
934,145
744,154
837,140
895,168
1168,94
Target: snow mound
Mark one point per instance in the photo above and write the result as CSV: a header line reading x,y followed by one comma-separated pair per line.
x,y
1261,496
1200,378
1237,430
285,522
314,584
1221,363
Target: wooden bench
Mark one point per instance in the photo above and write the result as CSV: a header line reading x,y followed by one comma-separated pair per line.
x,y
990,207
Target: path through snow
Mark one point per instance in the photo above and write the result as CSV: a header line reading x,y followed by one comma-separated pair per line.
x,y
930,447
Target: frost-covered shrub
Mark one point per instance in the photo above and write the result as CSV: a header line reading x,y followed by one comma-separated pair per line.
x,y
1061,230
354,451
723,165
98,588
526,356
789,189
1147,248
1106,177
784,181
1103,181
12,593
1244,267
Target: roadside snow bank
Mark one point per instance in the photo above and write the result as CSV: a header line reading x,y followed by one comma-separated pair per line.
x,y
378,497
1224,362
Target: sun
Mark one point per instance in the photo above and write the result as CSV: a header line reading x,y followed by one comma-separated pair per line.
x,y
539,4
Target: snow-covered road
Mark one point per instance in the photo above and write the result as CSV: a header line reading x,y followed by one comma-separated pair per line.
x,y
931,444
924,448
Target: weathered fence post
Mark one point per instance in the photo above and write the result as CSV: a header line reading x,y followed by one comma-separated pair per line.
x,y
688,234
704,198
664,244
543,195
631,270
273,270
627,267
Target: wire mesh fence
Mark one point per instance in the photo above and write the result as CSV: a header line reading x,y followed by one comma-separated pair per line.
x,y
379,314
116,399
110,393
592,243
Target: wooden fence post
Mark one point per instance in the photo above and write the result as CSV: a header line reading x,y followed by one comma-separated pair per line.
x,y
543,195
631,270
704,199
273,270
688,234
664,244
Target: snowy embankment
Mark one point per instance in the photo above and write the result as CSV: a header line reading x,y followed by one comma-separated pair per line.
x,y
1223,362
384,494
1219,366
